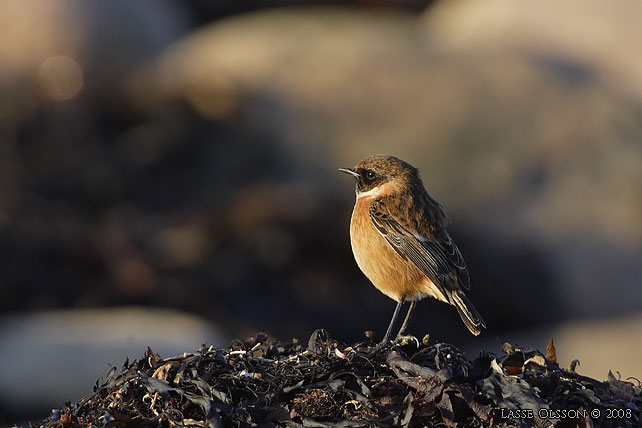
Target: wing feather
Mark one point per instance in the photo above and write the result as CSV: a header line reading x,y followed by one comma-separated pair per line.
x,y
436,256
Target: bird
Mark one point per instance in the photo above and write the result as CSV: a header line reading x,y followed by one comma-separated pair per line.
x,y
400,241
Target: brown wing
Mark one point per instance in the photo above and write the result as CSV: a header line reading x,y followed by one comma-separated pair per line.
x,y
436,256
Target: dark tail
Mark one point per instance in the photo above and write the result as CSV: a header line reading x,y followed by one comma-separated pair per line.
x,y
467,312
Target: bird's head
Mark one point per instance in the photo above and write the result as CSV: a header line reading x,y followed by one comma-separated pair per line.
x,y
383,174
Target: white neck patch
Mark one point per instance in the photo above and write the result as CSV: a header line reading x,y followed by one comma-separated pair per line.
x,y
374,192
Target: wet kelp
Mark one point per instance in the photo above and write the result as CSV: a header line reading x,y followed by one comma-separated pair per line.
x,y
261,382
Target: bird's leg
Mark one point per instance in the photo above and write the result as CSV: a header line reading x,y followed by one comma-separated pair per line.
x,y
407,319
386,338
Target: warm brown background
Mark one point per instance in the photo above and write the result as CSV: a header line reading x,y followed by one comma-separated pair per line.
x,y
168,174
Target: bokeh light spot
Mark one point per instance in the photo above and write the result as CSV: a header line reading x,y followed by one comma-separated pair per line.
x,y
60,77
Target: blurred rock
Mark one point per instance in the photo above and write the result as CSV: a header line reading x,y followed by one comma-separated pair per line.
x,y
60,354
31,32
601,35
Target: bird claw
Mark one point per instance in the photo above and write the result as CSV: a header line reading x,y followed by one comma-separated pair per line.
x,y
405,340
399,341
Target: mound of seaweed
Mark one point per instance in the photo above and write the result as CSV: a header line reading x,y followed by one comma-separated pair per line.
x,y
263,383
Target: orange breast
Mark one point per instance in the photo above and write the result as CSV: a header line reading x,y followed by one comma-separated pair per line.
x,y
394,276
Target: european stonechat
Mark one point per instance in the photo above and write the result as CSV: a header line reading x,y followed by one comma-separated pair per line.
x,y
400,242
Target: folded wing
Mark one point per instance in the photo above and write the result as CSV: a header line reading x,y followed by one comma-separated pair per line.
x,y
436,256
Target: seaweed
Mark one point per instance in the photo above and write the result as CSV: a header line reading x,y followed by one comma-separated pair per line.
x,y
261,382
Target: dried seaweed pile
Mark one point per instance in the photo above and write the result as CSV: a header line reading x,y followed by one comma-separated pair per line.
x,y
262,383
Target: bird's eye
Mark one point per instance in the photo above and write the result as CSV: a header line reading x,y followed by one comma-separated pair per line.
x,y
370,175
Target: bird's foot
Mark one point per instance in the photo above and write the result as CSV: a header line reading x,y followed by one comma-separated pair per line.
x,y
406,340
399,341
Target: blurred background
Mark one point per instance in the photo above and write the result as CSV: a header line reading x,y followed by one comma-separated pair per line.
x,y
168,175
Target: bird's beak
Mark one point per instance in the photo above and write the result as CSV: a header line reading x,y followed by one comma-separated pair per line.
x,y
349,171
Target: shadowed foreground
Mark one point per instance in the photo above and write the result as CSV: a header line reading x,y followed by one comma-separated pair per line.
x,y
264,383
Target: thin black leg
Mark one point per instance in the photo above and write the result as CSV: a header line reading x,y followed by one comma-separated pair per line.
x,y
386,338
407,319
